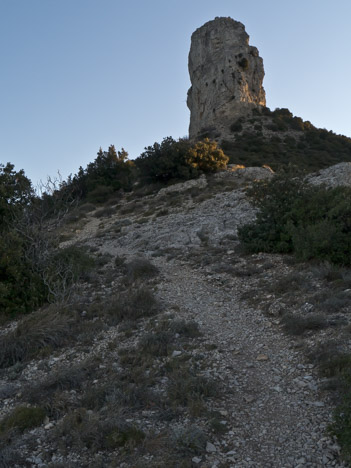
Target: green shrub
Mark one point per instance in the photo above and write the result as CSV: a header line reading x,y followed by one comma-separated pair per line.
x,y
64,378
108,173
205,156
324,225
310,221
140,268
295,325
105,212
190,440
63,268
179,160
21,286
22,418
338,367
166,161
157,344
16,192
185,387
132,305
341,426
85,429
275,200
99,194
33,274
128,436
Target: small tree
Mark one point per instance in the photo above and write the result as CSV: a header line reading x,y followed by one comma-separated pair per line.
x,y
21,288
16,192
110,169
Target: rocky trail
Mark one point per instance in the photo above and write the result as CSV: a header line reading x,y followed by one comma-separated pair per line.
x,y
271,404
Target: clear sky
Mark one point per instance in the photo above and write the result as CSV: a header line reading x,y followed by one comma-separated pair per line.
x,y
80,74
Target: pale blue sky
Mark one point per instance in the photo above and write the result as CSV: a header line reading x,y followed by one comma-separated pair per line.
x,y
80,74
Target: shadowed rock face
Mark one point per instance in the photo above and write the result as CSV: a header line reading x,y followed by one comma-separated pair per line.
x,y
226,74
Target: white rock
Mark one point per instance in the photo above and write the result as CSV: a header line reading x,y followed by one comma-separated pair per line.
x,y
277,389
210,447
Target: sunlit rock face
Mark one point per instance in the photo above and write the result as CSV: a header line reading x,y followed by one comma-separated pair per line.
x,y
226,76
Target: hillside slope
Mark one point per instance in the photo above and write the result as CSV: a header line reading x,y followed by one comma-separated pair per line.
x,y
205,376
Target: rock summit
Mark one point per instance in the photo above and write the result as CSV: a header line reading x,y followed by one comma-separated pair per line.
x,y
226,76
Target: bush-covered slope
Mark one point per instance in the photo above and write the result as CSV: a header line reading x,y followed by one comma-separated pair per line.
x,y
278,138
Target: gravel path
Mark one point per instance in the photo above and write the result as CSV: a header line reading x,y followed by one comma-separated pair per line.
x,y
272,405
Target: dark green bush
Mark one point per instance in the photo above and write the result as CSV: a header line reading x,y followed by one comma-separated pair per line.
x,y
108,173
271,232
310,221
166,161
179,160
21,287
16,192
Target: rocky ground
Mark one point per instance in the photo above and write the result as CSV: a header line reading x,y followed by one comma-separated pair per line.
x,y
233,384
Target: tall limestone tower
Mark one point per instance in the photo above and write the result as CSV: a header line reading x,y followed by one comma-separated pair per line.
x,y
226,76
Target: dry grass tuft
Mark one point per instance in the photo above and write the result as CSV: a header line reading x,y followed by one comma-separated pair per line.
x,y
51,327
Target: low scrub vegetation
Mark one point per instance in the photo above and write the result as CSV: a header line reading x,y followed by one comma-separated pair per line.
x,y
313,222
284,140
140,269
22,418
51,327
190,440
131,305
85,430
295,325
341,427
335,365
179,160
